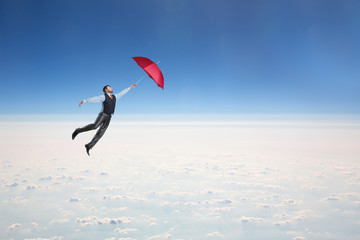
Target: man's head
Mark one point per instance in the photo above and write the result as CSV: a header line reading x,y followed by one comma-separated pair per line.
x,y
107,89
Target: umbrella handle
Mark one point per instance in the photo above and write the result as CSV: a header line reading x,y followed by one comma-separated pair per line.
x,y
143,76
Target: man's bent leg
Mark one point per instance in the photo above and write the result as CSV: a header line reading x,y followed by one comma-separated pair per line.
x,y
100,118
99,133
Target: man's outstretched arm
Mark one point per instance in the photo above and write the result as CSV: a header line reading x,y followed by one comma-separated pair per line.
x,y
96,99
123,92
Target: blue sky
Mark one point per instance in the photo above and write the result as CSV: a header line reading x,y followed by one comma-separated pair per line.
x,y
217,57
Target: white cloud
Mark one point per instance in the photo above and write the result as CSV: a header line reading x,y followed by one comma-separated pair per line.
x,y
18,199
333,197
70,178
15,184
185,203
165,235
51,238
91,189
264,205
161,236
76,199
250,219
219,209
214,234
128,197
289,202
45,178
149,219
171,193
125,230
14,226
31,187
35,225
65,212
93,220
113,188
285,219
352,195
313,187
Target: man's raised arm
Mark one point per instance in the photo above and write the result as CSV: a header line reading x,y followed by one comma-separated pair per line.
x,y
123,92
96,99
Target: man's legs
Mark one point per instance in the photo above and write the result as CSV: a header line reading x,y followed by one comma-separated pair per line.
x,y
104,125
92,126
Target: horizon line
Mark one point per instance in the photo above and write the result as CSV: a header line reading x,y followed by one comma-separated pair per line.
x,y
186,119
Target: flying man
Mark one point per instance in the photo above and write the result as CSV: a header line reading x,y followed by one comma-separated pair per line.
x,y
103,119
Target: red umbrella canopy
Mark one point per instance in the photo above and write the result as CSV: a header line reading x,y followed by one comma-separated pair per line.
x,y
151,69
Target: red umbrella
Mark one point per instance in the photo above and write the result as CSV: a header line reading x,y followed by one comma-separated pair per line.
x,y
151,69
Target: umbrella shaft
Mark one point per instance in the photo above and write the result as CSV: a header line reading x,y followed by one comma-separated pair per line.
x,y
140,79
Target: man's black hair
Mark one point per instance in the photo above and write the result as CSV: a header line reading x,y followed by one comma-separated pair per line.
x,y
105,88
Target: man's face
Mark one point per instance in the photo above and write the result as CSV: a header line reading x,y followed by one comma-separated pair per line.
x,y
109,89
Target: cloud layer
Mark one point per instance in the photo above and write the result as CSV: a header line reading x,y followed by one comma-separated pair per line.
x,y
181,182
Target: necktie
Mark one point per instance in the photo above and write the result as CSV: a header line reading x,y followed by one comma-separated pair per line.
x,y
111,96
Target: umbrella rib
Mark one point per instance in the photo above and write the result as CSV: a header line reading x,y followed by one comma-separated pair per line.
x,y
144,76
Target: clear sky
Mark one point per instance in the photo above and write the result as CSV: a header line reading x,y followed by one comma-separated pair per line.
x,y
216,56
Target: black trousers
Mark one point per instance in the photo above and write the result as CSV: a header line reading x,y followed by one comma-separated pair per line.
x,y
102,121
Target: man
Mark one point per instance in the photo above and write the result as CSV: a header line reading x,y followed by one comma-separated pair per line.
x,y
108,107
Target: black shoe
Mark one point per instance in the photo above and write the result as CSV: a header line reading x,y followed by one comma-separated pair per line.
x,y
75,133
87,149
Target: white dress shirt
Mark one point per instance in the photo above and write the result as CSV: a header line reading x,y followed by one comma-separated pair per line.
x,y
101,98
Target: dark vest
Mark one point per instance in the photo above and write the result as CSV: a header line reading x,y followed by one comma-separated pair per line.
x,y
109,104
